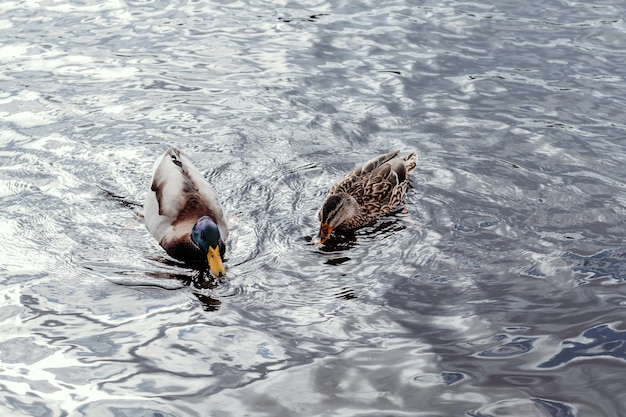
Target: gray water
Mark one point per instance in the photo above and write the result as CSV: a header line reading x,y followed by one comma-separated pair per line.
x,y
499,291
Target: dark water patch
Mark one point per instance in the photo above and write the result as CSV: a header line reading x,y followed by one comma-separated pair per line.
x,y
554,408
603,342
608,264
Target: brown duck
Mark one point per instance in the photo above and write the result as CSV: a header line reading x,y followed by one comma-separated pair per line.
x,y
371,190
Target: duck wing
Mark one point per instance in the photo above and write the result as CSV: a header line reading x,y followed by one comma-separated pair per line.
x,y
374,163
179,194
353,182
385,188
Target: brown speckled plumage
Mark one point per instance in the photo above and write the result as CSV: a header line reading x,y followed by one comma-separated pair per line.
x,y
371,190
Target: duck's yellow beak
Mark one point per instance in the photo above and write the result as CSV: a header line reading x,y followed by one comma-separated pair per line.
x,y
215,262
324,233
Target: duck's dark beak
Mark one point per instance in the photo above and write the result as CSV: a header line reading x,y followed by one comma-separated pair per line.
x,y
324,233
215,262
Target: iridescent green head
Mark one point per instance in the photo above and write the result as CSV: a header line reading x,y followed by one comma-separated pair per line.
x,y
206,235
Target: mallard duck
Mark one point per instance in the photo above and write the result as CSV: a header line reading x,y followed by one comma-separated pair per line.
x,y
183,213
371,190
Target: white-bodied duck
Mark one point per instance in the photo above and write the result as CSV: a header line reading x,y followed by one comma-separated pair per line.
x,y
183,213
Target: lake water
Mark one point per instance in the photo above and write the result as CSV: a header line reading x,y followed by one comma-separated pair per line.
x,y
499,291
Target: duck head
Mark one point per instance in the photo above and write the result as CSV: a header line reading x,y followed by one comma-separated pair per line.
x,y
206,236
337,209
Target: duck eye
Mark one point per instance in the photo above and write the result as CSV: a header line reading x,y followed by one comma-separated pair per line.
x,y
202,236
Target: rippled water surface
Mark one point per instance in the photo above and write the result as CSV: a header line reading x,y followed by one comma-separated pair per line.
x,y
499,291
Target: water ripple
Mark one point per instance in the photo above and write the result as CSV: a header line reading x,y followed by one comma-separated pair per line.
x,y
604,342
476,299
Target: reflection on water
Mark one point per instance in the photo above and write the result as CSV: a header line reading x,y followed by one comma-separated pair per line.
x,y
496,292
523,407
604,264
605,342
